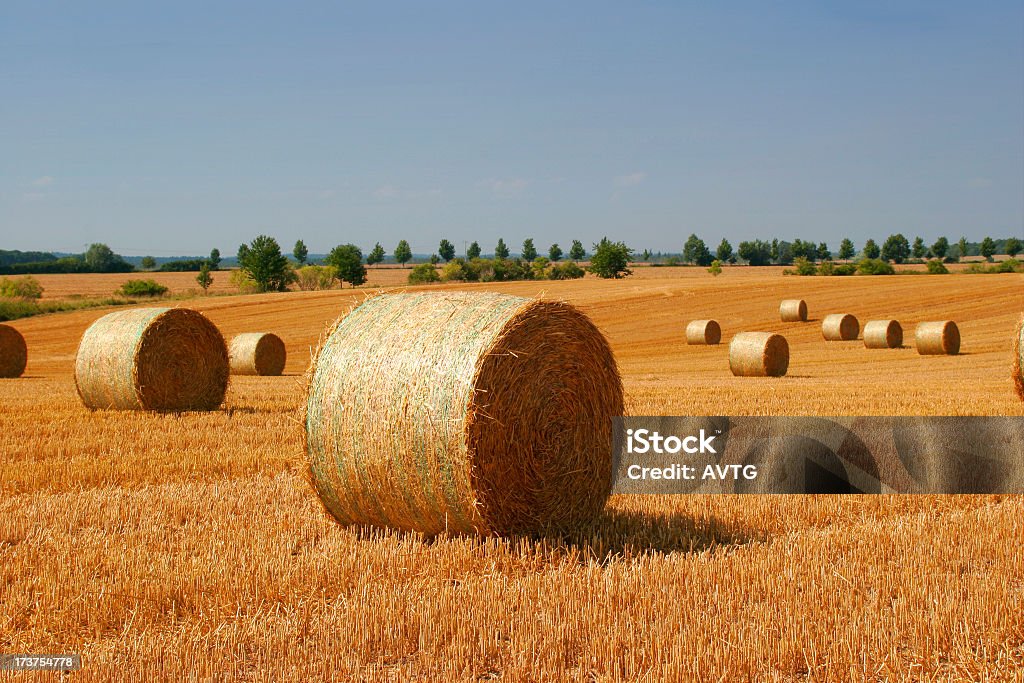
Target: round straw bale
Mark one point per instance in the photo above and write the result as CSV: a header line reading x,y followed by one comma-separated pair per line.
x,y
13,352
938,338
703,332
257,353
793,311
840,327
1018,359
152,359
883,334
467,412
758,354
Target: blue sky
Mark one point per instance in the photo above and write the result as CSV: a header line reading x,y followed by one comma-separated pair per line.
x,y
174,130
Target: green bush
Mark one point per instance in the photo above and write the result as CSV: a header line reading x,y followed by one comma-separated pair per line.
x,y
566,271
935,267
874,266
1009,266
241,280
25,288
142,288
804,266
314,278
827,268
423,273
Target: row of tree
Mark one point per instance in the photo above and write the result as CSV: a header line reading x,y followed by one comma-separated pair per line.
x,y
446,251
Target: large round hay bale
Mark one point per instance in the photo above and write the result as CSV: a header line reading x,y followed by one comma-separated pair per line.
x,y
465,412
758,354
793,311
703,332
1018,359
13,352
840,327
883,334
938,338
152,359
257,353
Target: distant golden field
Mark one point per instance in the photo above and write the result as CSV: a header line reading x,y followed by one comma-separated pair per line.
x,y
190,546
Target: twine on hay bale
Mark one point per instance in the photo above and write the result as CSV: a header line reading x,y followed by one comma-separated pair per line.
x,y
1018,359
465,412
257,353
883,334
13,352
758,354
152,359
793,311
938,338
703,332
840,327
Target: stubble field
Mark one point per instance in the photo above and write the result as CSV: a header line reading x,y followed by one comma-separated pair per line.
x,y
190,547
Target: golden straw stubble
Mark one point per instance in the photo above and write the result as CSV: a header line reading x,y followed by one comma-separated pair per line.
x,y
167,359
13,352
883,334
940,337
257,353
840,327
793,311
1018,359
759,354
466,412
703,332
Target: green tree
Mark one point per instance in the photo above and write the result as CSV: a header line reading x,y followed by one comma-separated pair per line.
x,y
988,248
871,250
447,250
646,256
846,249
300,252
376,255
918,250
724,251
500,250
896,248
99,258
961,248
1013,247
716,268
347,260
774,252
402,252
263,262
576,251
214,259
941,247
529,251
823,253
555,252
148,263
473,251
695,251
610,259
756,253
204,278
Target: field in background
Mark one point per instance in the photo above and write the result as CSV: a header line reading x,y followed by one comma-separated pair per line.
x,y
184,546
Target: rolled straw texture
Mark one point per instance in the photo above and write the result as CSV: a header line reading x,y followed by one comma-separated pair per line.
x,y
703,332
793,311
13,352
467,412
840,327
883,334
257,353
169,359
758,354
938,338
1018,359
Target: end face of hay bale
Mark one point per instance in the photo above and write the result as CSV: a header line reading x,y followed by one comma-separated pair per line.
x,y
167,359
759,354
883,334
938,338
466,412
13,352
257,353
793,311
703,332
1018,360
840,327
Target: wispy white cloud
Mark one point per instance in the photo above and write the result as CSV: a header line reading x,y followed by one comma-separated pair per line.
x,y
506,187
386,192
43,181
630,179
326,194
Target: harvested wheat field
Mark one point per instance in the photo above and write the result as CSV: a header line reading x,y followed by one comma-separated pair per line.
x,y
191,546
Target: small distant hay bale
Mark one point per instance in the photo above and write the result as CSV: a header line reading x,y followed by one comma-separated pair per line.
x,y
758,354
257,353
168,359
703,332
462,412
13,352
1018,359
840,327
938,338
793,311
883,334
